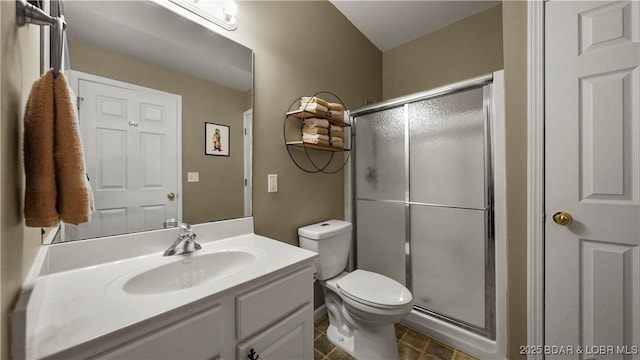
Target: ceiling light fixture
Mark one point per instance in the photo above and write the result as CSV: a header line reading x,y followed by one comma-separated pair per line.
x,y
221,13
230,11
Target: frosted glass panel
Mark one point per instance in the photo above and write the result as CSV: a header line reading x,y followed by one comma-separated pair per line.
x,y
448,260
381,238
380,155
447,150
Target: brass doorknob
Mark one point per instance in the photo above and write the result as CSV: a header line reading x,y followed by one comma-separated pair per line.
x,y
562,218
171,196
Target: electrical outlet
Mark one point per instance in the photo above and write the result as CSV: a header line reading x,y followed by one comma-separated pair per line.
x,y
193,177
272,183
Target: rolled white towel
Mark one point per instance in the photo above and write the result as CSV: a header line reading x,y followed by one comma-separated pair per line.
x,y
316,122
314,99
335,115
336,128
316,142
314,136
336,142
315,130
313,107
335,106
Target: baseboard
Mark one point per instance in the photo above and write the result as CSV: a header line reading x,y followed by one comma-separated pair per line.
x,y
319,312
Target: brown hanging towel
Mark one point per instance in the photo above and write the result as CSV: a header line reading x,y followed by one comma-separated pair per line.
x,y
73,196
40,188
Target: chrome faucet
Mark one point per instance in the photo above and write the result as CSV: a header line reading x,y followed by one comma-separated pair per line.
x,y
169,223
185,242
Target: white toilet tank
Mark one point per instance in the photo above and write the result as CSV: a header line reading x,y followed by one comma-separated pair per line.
x,y
331,240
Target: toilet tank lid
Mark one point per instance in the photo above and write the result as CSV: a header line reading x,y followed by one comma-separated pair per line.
x,y
325,229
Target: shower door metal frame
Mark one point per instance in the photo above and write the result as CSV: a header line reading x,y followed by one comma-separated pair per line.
x,y
489,331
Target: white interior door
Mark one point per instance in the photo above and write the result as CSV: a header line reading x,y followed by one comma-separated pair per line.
x,y
248,161
592,171
130,137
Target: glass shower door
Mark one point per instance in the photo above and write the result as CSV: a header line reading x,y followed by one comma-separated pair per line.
x,y
450,208
380,192
424,202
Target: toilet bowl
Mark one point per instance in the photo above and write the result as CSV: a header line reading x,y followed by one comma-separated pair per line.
x,y
362,305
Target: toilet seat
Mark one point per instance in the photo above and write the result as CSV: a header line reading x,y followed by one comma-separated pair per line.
x,y
374,290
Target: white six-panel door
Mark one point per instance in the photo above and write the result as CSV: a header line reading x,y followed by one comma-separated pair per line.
x,y
131,148
592,172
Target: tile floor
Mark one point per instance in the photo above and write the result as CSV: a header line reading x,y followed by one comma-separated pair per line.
x,y
411,345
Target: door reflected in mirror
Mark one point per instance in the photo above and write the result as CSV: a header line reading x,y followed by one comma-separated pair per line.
x,y
147,80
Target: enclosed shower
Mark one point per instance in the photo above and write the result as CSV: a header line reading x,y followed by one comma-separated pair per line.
x,y
424,204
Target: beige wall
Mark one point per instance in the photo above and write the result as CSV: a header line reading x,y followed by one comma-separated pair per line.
x,y
287,67
219,194
284,70
19,67
475,46
468,48
515,73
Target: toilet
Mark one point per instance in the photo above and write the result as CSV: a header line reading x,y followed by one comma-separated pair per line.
x,y
362,305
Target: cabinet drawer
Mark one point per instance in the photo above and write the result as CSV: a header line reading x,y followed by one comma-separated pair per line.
x,y
198,337
289,339
261,307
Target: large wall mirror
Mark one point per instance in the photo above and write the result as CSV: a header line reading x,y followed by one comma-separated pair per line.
x,y
165,111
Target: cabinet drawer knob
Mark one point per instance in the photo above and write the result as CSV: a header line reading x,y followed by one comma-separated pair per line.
x,y
252,355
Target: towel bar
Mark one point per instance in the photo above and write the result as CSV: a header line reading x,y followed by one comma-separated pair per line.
x,y
29,14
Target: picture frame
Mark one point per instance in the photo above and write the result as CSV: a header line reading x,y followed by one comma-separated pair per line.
x,y
216,139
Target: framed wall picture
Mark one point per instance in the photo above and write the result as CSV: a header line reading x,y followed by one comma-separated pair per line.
x,y
216,139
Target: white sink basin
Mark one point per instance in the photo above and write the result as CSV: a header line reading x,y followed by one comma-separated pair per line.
x,y
188,271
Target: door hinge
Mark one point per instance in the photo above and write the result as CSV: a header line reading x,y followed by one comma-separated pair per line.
x,y
78,100
246,182
245,131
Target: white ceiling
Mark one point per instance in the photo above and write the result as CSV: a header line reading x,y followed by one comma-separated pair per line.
x,y
388,24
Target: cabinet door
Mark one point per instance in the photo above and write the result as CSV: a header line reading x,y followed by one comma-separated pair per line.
x,y
198,337
263,306
289,339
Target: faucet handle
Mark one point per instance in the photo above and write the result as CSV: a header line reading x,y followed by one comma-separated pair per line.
x,y
169,223
185,229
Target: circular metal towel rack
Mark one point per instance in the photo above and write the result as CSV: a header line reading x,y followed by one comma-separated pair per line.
x,y
307,149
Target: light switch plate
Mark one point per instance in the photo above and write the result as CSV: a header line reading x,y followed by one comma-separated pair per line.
x,y
193,177
272,183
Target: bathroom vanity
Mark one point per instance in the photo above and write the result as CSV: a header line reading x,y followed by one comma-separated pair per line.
x,y
240,294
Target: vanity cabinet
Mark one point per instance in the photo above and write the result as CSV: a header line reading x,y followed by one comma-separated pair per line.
x,y
272,316
197,337
263,305
284,310
287,339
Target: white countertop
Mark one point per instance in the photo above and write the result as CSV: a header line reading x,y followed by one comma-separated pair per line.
x,y
83,304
